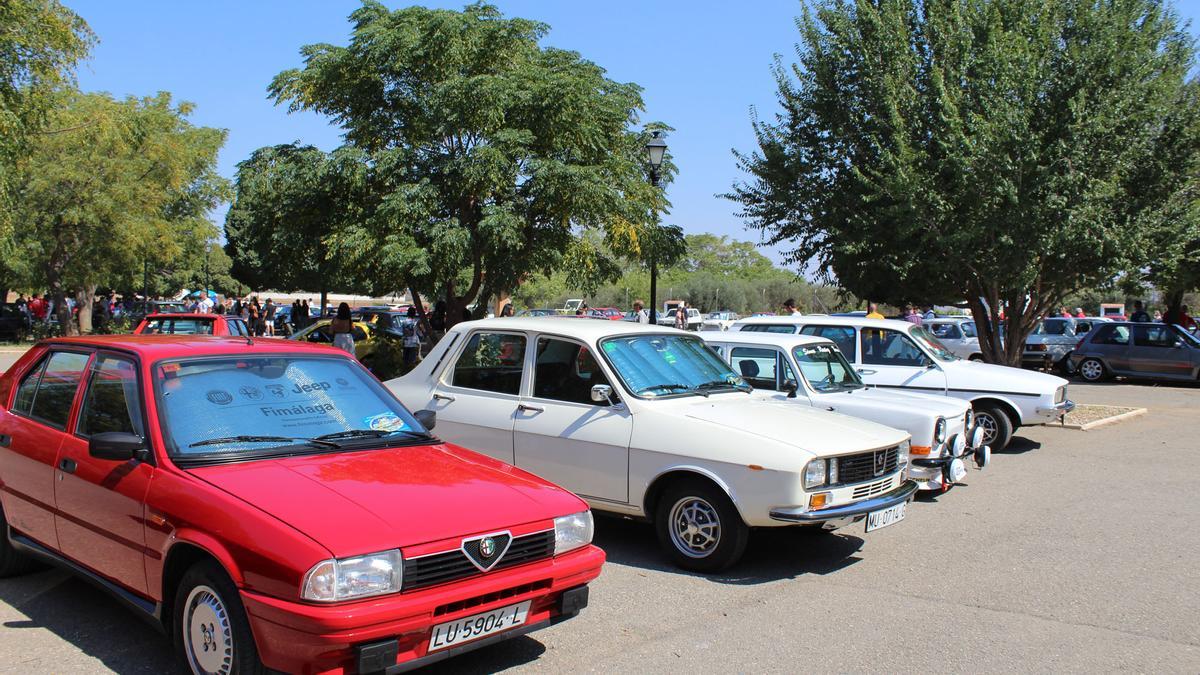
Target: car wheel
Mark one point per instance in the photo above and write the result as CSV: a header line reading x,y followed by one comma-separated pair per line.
x,y
12,561
1092,370
997,427
699,527
212,634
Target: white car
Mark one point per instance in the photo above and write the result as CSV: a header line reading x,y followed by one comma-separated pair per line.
x,y
958,335
694,318
899,354
649,422
718,321
944,434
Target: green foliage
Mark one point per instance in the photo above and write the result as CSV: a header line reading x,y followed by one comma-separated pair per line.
x,y
121,182
979,149
489,156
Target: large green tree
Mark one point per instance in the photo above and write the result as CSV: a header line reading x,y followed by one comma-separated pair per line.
x,y
490,156
122,182
983,150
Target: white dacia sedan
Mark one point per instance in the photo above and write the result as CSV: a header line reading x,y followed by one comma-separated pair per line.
x,y
649,422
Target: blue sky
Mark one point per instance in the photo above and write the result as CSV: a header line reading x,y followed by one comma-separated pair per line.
x,y
702,63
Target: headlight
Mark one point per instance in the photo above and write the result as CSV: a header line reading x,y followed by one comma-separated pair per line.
x,y
573,531
814,474
352,578
902,454
968,420
939,431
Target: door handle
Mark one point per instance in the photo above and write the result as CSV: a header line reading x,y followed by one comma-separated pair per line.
x,y
5,440
529,408
67,466
443,397
864,371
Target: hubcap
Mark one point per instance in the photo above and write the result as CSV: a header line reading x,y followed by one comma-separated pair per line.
x,y
207,634
988,424
1091,370
695,527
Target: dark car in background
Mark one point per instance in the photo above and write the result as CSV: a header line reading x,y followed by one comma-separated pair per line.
x,y
1137,350
14,323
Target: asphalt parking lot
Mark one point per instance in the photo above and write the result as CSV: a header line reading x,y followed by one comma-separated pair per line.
x,y
1075,551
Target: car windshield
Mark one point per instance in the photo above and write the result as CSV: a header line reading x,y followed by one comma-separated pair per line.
x,y
233,408
825,368
968,329
1053,327
654,366
939,351
1192,339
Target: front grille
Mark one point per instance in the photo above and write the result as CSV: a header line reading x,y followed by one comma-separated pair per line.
x,y
492,597
441,568
872,489
862,467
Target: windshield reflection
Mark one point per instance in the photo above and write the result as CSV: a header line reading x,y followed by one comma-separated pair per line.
x,y
922,335
653,366
825,369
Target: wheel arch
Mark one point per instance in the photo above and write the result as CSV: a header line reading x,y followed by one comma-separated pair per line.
x,y
180,557
676,473
1014,414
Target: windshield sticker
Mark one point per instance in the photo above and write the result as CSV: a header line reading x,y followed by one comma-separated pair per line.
x,y
251,393
387,421
220,397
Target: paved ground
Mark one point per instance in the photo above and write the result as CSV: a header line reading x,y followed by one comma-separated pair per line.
x,y
1074,552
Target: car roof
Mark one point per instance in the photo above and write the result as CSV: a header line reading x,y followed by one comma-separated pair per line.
x,y
825,320
186,315
160,346
581,327
950,319
754,337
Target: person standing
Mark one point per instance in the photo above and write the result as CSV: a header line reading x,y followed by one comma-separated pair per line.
x,y
640,314
410,330
911,315
929,315
342,327
252,320
269,316
1139,313
789,308
305,314
873,311
681,315
1079,313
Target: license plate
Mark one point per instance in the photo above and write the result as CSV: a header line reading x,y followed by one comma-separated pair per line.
x,y
888,516
475,626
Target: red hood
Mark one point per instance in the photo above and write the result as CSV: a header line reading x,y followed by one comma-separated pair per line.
x,y
374,500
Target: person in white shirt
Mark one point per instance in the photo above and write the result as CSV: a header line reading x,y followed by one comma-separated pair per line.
x,y
789,308
205,305
642,316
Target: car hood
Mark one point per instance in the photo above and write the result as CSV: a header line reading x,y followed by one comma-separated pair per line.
x,y
896,401
976,376
366,501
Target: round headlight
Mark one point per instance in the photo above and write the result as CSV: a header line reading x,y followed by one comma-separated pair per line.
x,y
939,431
970,419
814,474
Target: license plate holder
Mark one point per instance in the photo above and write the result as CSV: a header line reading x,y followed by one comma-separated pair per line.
x,y
877,520
470,628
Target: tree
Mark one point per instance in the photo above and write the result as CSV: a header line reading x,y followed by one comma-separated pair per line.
x,y
490,156
291,204
949,149
123,180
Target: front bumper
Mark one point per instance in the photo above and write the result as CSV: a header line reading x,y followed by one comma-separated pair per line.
x,y
296,637
1057,410
847,512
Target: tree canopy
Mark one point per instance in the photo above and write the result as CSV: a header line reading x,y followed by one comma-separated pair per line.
x,y
967,149
489,156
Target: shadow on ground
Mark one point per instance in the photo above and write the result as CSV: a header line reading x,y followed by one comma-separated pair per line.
x,y
86,617
1019,446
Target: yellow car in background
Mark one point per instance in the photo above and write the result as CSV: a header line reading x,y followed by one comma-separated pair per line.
x,y
366,339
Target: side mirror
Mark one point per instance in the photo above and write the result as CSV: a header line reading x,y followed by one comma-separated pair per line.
x,y
602,393
929,365
790,387
427,418
117,446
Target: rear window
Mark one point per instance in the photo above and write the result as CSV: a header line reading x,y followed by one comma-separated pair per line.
x,y
173,326
769,328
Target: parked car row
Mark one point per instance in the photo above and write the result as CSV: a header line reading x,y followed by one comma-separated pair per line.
x,y
272,505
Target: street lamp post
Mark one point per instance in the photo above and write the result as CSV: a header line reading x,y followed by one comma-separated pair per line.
x,y
656,149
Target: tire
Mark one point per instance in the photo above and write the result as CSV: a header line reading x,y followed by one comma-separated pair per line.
x,y
998,428
1092,370
208,618
690,512
12,561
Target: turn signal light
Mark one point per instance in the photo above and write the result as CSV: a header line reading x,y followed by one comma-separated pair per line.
x,y
818,501
920,450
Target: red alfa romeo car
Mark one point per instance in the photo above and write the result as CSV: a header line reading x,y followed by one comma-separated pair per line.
x,y
273,506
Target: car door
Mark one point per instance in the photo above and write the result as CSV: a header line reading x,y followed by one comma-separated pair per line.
x,y
1111,343
477,395
101,502
1157,350
35,427
562,435
890,358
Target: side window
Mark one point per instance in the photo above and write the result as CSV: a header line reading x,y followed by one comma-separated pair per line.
x,y
756,366
1112,335
566,371
491,362
112,402
153,326
843,336
25,392
886,347
1154,336
769,328
56,391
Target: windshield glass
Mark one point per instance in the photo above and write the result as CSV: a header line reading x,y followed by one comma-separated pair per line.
x,y
214,407
939,351
1052,327
653,366
1188,337
968,329
825,368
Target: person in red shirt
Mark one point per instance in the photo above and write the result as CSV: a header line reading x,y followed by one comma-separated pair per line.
x,y
1079,313
37,307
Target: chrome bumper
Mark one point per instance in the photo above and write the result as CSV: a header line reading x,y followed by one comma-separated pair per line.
x,y
797,514
1058,409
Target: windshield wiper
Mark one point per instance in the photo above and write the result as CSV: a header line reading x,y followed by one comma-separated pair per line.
x,y
704,387
682,387
262,439
369,433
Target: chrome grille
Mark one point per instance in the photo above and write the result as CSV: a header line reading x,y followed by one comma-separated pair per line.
x,y
872,489
862,466
442,568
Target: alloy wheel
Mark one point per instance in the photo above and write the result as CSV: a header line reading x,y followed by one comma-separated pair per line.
x,y
988,423
207,634
1091,370
695,527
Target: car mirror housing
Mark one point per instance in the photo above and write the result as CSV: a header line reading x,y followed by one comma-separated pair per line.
x,y
427,418
602,393
791,388
117,446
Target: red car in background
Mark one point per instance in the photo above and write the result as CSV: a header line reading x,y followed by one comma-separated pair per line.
x,y
192,324
273,506
610,313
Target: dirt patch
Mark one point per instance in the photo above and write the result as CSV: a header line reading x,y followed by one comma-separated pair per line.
x,y
1085,417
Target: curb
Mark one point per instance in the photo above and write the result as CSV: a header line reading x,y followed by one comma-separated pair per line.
x,y
1105,421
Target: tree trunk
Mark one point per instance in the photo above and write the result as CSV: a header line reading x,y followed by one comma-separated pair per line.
x,y
324,299
1174,298
84,298
66,323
